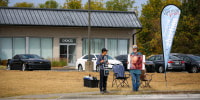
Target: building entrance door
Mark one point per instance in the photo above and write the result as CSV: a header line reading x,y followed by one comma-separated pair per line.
x,y
68,52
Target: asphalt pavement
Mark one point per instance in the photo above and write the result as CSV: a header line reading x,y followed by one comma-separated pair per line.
x,y
98,96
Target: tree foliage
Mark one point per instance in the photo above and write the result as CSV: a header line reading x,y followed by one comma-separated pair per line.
x,y
95,5
4,3
187,37
72,4
51,4
119,5
24,4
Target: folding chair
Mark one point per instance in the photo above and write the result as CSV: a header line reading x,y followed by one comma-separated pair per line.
x,y
120,76
144,81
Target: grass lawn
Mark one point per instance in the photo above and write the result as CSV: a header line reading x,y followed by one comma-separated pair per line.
x,y
2,67
15,83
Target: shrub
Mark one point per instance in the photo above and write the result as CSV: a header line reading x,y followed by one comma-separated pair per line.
x,y
61,63
0,61
4,62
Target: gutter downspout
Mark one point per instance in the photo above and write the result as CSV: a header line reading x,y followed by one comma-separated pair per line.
x,y
133,36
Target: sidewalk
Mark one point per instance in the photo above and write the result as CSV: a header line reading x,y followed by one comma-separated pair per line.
x,y
96,95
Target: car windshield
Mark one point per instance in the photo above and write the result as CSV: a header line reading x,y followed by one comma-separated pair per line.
x,y
196,58
31,56
109,57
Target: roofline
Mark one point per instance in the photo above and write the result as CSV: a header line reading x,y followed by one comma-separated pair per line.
x,y
67,26
53,9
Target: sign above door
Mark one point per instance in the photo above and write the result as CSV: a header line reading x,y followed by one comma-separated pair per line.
x,y
67,40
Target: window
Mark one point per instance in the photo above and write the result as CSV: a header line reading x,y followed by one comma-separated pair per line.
x,y
95,46
117,47
5,48
158,58
19,46
86,57
34,46
16,57
91,56
151,58
174,58
41,46
46,47
186,59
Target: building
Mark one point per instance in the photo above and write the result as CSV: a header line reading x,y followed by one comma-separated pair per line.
x,y
61,33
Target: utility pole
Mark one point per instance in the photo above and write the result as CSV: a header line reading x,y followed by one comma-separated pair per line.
x,y
89,63
89,28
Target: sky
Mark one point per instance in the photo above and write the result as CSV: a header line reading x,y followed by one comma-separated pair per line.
x,y
61,2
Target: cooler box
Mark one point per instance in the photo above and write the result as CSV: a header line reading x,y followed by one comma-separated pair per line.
x,y
91,83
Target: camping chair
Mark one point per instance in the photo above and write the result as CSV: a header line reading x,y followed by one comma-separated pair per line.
x,y
144,81
120,76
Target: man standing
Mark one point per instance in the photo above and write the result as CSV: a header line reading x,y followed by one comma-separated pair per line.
x,y
101,63
135,73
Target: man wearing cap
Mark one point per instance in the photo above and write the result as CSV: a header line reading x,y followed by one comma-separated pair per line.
x,y
101,63
135,73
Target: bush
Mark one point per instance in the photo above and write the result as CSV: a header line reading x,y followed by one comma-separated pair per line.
x,y
4,62
61,63
0,61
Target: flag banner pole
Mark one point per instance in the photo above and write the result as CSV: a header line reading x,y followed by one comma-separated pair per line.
x,y
169,21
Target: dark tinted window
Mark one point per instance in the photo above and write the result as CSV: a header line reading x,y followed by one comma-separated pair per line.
x,y
119,57
86,57
30,56
196,58
181,57
16,57
92,56
158,58
186,59
151,58
174,58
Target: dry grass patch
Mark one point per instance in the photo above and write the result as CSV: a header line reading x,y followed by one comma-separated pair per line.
x,y
15,83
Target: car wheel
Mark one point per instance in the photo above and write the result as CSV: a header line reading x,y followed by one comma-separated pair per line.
x,y
8,67
161,69
194,69
80,68
23,67
97,68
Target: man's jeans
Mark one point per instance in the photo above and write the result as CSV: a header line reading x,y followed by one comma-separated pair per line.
x,y
103,80
135,81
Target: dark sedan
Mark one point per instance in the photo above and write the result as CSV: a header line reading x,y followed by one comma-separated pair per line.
x,y
28,62
149,64
192,62
174,63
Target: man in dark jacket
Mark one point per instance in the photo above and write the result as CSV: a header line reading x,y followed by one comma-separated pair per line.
x,y
101,62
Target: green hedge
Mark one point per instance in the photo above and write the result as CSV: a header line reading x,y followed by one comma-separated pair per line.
x,y
60,63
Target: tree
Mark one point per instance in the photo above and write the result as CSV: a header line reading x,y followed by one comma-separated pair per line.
x,y
72,4
187,37
24,4
149,39
95,5
41,6
4,3
51,4
119,5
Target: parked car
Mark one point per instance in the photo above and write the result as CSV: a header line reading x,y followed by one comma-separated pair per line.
x,y
149,64
192,62
174,63
80,63
28,62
